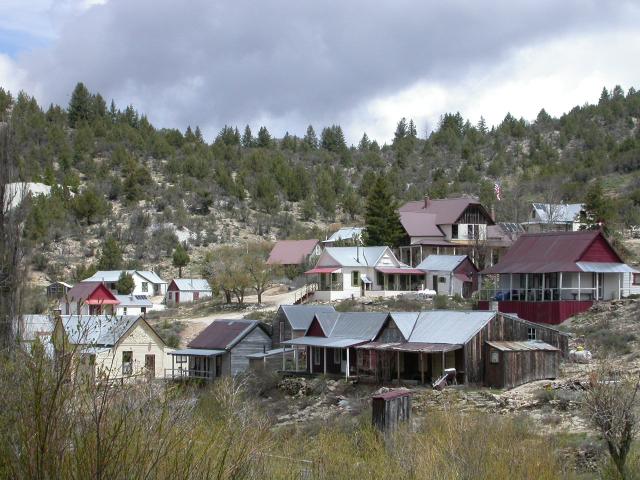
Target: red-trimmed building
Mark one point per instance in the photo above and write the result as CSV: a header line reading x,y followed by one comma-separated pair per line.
x,y
89,298
549,277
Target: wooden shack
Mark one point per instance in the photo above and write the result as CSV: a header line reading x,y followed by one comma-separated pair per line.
x,y
390,409
509,364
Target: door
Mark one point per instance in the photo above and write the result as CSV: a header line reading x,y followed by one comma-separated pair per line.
x,y
434,281
150,365
177,297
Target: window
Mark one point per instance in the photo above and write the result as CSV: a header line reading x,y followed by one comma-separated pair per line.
x,y
355,278
316,356
145,287
281,327
143,309
473,231
636,278
495,356
531,333
454,231
380,278
334,277
337,357
127,362
442,279
124,310
196,296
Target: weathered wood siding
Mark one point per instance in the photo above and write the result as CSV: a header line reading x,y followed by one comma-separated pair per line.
x,y
389,410
516,368
255,342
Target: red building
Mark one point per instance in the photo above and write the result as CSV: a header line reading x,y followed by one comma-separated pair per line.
x,y
549,277
89,298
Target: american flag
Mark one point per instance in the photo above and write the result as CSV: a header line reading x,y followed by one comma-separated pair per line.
x,y
498,190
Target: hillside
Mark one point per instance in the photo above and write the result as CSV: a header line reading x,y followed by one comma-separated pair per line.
x,y
150,188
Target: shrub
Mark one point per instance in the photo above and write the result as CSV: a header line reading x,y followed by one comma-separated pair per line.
x,y
440,302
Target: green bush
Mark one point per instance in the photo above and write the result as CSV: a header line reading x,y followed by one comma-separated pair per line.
x,y
440,302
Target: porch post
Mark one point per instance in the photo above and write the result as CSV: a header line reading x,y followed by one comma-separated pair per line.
x,y
422,367
310,358
620,286
560,286
347,363
510,286
283,361
579,292
543,287
597,287
398,365
325,360
173,366
443,366
526,287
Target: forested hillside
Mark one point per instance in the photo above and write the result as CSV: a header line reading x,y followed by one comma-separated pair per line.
x,y
117,176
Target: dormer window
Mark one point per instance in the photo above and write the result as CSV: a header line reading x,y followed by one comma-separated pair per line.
x,y
454,231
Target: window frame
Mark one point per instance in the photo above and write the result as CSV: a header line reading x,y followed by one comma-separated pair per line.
x,y
337,356
635,279
454,231
127,367
316,356
355,278
494,357
532,333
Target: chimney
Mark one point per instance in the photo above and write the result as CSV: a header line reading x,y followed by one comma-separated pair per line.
x,y
426,201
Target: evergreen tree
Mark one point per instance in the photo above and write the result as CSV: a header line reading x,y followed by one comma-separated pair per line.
x,y
413,131
381,216
180,258
247,137
482,125
125,283
264,138
365,143
332,139
604,96
111,257
401,130
80,106
310,139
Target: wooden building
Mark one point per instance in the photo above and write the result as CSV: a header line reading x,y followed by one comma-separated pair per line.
x,y
292,321
58,289
221,349
549,277
450,274
89,298
509,364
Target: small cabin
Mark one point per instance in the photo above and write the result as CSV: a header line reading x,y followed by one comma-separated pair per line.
x,y
509,364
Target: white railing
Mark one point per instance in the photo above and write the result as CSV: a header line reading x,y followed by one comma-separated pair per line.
x,y
539,294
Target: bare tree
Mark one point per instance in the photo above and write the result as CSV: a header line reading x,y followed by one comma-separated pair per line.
x,y
12,214
611,405
260,271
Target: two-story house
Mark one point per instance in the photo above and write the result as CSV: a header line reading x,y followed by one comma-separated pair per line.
x,y
452,226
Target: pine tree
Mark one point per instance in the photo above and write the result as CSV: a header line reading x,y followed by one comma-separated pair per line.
x,y
401,130
482,125
111,257
80,105
310,139
180,258
125,283
604,96
264,138
247,137
365,143
413,131
382,220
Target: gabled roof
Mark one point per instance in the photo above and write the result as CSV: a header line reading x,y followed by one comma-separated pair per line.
x,y
446,211
114,276
134,301
548,252
345,233
557,212
344,329
420,224
60,283
291,252
84,290
34,326
447,326
102,330
192,284
300,316
224,334
354,256
441,263
530,345
405,321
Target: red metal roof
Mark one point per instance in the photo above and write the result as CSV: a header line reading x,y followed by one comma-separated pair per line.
x,y
91,293
291,252
550,252
401,271
420,224
222,334
446,211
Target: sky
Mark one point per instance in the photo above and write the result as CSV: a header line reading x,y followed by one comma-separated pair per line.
x,y
287,64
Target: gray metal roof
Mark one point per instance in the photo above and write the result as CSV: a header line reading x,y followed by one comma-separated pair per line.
x,y
300,316
192,284
345,233
355,256
445,326
405,321
114,276
197,352
441,263
327,320
325,342
95,350
151,276
270,353
360,325
134,301
531,345
559,212
98,329
605,267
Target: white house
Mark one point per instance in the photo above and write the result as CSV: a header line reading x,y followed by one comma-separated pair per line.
x,y
547,217
183,290
450,274
345,272
111,347
133,304
146,282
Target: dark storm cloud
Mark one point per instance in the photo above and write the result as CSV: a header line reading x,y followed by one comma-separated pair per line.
x,y
235,61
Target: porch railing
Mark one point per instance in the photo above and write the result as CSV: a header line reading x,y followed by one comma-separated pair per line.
x,y
539,294
185,374
331,287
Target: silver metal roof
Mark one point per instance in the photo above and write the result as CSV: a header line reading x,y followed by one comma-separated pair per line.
x,y
360,325
192,284
197,352
134,301
356,256
95,350
605,267
405,321
34,326
327,320
441,263
270,353
557,213
114,276
345,233
445,326
97,330
300,316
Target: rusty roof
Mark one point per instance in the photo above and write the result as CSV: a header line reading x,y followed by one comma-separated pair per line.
x,y
420,347
291,252
531,345
546,252
223,334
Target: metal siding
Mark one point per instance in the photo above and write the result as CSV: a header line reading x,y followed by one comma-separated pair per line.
x,y
600,251
552,313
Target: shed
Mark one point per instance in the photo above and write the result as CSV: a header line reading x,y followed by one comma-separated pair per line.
x,y
450,274
184,290
294,252
509,364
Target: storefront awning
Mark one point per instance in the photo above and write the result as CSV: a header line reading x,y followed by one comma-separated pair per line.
x,y
400,271
322,270
605,267
365,279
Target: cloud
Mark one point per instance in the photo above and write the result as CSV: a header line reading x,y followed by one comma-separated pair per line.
x,y
287,64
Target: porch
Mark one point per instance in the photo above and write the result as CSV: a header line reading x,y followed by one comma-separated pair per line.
x,y
196,364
